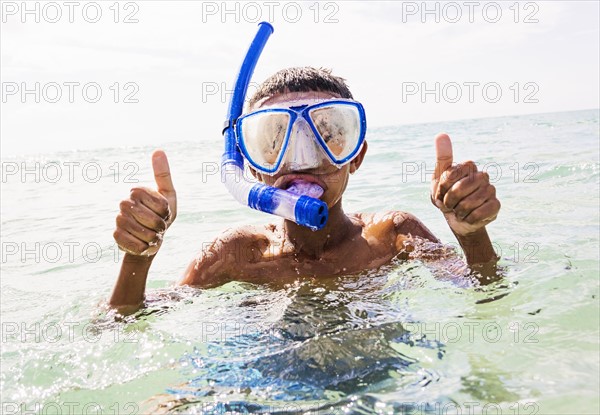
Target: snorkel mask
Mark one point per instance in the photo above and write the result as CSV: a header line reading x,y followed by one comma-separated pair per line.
x,y
250,133
302,136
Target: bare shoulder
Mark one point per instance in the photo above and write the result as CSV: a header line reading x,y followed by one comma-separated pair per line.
x,y
402,223
222,258
408,224
242,236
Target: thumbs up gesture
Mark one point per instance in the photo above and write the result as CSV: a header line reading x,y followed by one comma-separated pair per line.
x,y
463,194
146,215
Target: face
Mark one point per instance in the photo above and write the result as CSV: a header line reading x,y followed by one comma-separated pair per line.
x,y
331,178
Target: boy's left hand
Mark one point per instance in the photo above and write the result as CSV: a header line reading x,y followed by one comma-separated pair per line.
x,y
463,194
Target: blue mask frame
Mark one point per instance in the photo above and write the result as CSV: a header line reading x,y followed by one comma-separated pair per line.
x,y
294,113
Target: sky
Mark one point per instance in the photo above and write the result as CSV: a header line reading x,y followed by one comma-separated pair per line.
x,y
81,75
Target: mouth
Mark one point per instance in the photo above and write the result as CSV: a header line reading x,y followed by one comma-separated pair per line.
x,y
302,185
284,182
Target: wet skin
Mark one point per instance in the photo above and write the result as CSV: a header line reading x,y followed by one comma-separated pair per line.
x,y
265,254
348,243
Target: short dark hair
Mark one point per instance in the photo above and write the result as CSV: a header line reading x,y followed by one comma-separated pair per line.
x,y
301,79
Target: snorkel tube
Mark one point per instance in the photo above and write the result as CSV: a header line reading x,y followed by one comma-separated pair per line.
x,y
302,209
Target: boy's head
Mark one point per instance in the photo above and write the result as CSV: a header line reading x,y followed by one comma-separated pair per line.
x,y
340,127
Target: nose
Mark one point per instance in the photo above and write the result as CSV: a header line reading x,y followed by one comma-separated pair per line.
x,y
303,152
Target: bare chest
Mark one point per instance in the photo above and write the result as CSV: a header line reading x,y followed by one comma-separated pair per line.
x,y
351,257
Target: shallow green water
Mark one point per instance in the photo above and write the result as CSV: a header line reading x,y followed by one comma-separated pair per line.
x,y
392,340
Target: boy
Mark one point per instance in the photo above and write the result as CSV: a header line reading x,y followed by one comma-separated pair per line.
x,y
349,243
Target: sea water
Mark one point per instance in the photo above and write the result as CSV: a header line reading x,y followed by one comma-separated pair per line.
x,y
394,340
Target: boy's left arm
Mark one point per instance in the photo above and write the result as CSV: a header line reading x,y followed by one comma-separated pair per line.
x,y
468,201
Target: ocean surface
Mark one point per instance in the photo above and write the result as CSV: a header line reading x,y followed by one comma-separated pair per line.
x,y
393,340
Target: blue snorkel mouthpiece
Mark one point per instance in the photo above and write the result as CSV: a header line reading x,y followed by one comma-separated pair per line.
x,y
303,210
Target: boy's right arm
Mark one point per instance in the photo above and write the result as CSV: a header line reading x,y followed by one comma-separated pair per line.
x,y
141,223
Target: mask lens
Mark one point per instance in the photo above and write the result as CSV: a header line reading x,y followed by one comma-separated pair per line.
x,y
339,127
263,135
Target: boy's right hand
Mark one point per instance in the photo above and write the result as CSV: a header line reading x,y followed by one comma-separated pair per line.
x,y
146,215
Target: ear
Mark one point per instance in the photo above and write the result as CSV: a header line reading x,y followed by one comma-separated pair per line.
x,y
357,161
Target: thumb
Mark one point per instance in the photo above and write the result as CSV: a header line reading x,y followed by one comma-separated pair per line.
x,y
443,155
162,174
